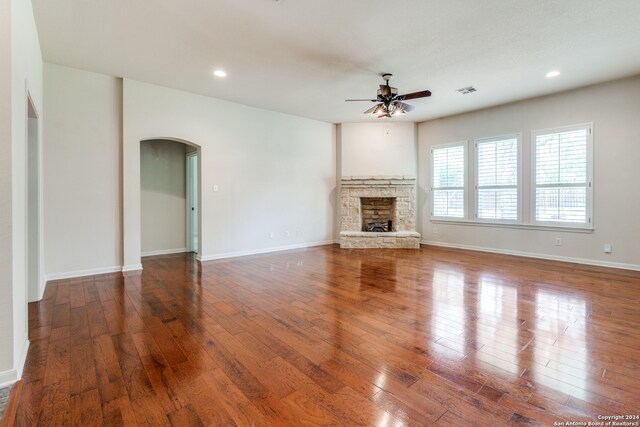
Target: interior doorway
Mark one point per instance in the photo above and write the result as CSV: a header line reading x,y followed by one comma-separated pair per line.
x,y
169,196
192,201
33,231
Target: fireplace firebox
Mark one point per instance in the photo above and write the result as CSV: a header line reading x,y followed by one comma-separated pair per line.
x,y
377,213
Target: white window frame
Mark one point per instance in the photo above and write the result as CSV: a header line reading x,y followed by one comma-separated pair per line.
x,y
518,220
589,178
465,193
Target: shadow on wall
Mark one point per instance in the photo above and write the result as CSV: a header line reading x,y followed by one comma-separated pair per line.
x,y
162,167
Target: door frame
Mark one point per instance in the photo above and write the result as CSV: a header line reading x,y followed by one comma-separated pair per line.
x,y
34,236
192,200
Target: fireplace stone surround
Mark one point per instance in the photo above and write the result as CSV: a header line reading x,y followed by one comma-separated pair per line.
x,y
400,188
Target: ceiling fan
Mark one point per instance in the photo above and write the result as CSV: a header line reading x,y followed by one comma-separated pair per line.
x,y
389,102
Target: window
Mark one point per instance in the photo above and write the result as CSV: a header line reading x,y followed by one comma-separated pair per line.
x,y
498,179
562,164
448,166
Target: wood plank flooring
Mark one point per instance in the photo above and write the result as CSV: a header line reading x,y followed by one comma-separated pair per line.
x,y
325,336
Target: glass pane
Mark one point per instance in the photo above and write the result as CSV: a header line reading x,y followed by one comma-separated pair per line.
x,y
547,161
448,167
486,154
498,204
573,156
497,162
448,203
561,158
561,204
507,162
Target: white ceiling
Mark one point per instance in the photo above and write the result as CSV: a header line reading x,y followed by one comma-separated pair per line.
x,y
305,57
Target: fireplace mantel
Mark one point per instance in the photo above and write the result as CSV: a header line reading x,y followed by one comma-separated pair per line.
x,y
399,187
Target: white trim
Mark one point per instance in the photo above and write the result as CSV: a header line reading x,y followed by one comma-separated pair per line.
x,y
40,195
82,273
164,252
594,262
8,378
22,358
189,225
131,267
263,251
516,226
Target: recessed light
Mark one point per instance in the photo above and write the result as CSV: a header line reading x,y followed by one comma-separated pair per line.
x,y
220,73
554,73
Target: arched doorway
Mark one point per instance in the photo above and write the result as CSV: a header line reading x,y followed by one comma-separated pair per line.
x,y
169,196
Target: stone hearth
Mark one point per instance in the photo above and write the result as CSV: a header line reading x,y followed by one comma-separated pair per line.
x,y
399,189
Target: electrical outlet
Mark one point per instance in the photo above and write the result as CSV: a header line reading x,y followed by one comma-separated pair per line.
x,y
608,248
215,188
271,235
558,241
435,230
287,233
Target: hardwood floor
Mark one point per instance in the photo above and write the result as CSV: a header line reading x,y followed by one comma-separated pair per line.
x,y
325,336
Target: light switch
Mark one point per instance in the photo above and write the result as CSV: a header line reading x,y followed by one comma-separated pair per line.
x,y
215,188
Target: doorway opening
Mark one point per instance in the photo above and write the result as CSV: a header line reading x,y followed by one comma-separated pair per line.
x,y
33,205
169,197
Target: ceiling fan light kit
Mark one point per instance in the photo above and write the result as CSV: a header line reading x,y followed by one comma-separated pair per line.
x,y
389,103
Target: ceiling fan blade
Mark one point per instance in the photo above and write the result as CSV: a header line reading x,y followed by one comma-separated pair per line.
x,y
372,109
404,107
385,90
414,95
370,100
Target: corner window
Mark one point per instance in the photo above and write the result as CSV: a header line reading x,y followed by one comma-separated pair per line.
x,y
449,169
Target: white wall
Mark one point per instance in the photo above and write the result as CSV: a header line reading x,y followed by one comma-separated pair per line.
x,y
385,148
613,108
82,164
275,172
163,196
6,282
20,74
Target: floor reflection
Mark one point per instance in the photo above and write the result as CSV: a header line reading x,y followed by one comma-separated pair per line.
x,y
497,324
448,319
561,341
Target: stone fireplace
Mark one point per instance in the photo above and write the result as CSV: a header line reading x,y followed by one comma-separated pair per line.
x,y
378,212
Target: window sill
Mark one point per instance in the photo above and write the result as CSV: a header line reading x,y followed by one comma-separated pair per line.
x,y
515,226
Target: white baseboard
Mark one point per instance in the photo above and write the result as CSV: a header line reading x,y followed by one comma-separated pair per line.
x,y
164,252
595,262
130,267
8,377
82,273
137,267
263,251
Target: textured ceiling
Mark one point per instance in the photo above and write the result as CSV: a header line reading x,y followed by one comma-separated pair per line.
x,y
305,57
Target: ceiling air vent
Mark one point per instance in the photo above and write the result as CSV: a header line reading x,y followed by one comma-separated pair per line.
x,y
466,90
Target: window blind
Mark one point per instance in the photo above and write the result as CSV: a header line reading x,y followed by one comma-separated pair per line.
x,y
562,181
497,179
448,178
